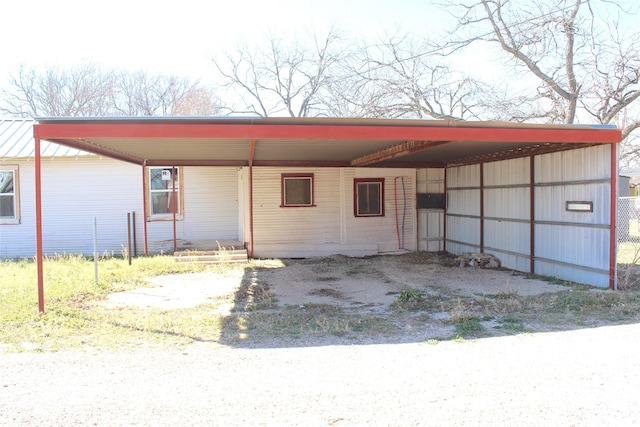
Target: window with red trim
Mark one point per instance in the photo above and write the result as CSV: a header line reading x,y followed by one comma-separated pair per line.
x,y
369,197
297,190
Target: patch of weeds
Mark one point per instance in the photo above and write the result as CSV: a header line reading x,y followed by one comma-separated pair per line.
x,y
251,296
356,271
327,292
327,279
410,295
512,324
469,327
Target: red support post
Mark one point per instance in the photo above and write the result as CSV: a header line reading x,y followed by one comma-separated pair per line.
x,y
613,238
144,208
173,207
39,250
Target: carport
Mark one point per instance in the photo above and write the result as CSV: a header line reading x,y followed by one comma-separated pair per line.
x,y
461,149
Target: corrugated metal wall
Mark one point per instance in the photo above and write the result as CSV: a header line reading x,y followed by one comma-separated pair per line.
x,y
463,209
573,245
567,245
507,212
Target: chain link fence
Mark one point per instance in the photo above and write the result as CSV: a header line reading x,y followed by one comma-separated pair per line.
x,y
628,224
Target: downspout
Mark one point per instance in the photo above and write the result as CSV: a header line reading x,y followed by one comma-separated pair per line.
x,y
532,219
39,251
145,207
613,214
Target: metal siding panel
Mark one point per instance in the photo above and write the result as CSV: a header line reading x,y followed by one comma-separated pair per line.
x,y
574,165
587,247
509,241
551,203
463,176
507,172
509,203
463,202
430,221
464,230
210,203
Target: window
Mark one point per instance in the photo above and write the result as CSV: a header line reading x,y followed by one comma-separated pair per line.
x,y
161,192
369,197
297,190
9,203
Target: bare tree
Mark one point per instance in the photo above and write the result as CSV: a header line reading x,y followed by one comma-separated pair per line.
x,y
144,94
77,91
396,78
282,78
88,90
586,67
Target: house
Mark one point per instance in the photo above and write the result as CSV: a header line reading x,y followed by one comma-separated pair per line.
x,y
539,197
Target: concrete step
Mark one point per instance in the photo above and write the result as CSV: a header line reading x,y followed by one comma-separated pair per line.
x,y
232,255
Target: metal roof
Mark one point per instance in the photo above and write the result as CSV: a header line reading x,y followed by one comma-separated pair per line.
x,y
314,141
16,141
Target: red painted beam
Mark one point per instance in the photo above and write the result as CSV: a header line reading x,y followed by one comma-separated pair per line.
x,y
39,247
93,131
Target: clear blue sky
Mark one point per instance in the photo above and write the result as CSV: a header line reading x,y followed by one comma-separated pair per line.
x,y
180,36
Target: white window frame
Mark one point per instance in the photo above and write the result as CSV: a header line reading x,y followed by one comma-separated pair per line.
x,y
178,191
15,194
286,177
379,182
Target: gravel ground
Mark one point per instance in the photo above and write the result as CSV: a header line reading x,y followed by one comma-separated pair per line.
x,y
587,377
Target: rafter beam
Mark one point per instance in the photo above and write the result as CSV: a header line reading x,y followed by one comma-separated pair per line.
x,y
400,150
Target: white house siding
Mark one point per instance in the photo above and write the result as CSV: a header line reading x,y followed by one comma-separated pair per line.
x,y
396,230
430,221
74,191
573,245
210,209
330,227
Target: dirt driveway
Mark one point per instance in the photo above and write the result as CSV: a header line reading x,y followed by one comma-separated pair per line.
x,y
336,280
579,375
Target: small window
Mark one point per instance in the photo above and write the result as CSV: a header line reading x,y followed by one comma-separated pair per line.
x,y
297,190
369,197
9,203
579,206
162,183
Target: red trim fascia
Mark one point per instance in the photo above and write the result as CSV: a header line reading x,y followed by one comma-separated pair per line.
x,y
93,131
39,249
